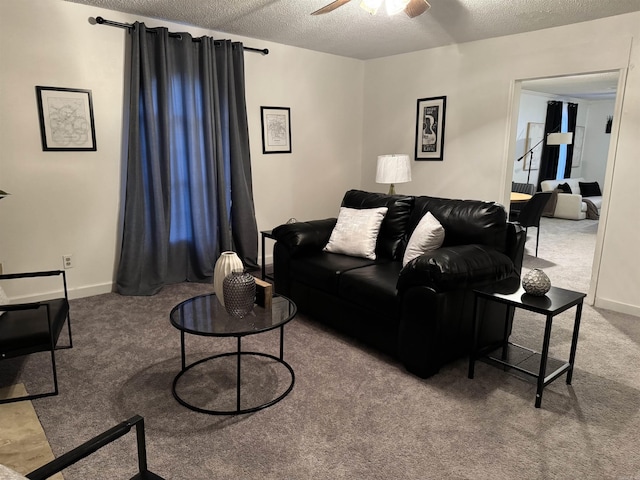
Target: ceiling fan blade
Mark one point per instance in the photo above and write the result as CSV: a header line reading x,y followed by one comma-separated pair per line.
x,y
416,7
331,7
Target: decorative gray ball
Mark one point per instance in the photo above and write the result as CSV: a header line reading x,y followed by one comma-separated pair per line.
x,y
536,282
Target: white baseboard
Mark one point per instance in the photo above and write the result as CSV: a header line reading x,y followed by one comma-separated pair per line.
x,y
86,291
618,307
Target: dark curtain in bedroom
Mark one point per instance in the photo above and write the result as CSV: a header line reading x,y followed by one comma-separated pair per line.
x,y
550,153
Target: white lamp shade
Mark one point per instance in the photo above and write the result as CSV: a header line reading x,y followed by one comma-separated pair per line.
x,y
394,168
560,138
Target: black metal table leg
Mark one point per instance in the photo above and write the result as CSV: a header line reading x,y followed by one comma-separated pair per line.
x,y
474,343
543,360
505,332
282,343
574,342
263,263
182,352
238,379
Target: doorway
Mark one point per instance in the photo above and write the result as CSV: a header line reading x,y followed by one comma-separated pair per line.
x,y
596,96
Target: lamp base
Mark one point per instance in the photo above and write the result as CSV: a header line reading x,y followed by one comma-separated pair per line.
x,y
392,190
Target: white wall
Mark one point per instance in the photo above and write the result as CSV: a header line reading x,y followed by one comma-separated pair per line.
x,y
533,108
479,81
69,202
596,142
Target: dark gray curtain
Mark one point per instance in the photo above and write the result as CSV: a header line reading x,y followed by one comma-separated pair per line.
x,y
550,153
572,116
188,188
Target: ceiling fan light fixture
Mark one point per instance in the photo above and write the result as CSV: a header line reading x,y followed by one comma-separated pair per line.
x,y
370,6
396,6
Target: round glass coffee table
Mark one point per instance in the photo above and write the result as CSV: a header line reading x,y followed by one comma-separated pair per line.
x,y
205,316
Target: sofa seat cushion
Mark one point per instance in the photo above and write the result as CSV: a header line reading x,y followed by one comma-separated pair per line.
x,y
597,201
322,270
23,332
372,287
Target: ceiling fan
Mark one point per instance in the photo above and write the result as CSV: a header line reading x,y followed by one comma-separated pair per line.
x,y
412,8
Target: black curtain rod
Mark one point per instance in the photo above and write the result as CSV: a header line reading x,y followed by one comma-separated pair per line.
x,y
104,21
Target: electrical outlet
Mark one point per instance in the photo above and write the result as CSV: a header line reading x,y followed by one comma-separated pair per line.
x,y
67,261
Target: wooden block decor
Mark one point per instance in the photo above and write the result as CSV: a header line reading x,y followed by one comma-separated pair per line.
x,y
264,293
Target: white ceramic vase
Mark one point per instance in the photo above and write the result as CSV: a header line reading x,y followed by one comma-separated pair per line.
x,y
228,262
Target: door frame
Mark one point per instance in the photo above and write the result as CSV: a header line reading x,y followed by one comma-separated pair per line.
x,y
510,148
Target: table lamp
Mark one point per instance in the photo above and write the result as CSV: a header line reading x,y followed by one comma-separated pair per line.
x,y
392,169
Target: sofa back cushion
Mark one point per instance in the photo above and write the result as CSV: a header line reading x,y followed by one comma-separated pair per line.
x,y
464,221
394,225
551,185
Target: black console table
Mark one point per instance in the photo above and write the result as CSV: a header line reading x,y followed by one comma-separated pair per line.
x,y
520,358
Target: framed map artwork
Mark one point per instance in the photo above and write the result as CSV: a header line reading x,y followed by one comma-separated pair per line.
x,y
66,119
276,129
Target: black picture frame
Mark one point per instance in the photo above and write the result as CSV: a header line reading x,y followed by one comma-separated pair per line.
x,y
430,124
276,129
66,119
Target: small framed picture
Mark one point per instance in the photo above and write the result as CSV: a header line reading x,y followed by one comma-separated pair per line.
x,y
430,128
66,119
276,129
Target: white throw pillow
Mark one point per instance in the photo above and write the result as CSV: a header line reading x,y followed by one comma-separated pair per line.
x,y
356,232
427,236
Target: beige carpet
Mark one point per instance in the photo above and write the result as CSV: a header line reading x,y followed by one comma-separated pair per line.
x,y
23,444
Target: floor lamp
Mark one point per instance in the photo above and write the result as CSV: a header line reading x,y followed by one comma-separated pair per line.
x,y
559,138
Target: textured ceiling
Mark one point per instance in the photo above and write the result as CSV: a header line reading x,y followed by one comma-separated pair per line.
x,y
350,31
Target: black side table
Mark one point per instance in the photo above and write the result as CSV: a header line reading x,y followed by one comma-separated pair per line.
x,y
265,234
520,358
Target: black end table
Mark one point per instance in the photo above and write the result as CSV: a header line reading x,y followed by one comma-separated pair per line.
x,y
265,234
520,358
205,316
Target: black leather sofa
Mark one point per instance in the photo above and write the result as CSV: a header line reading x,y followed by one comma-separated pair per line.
x,y
422,313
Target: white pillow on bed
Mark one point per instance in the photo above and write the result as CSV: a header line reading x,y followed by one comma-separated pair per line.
x,y
356,232
427,236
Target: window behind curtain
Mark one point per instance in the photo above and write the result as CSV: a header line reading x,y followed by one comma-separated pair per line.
x,y
188,188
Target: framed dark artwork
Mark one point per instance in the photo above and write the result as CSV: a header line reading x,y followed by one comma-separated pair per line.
x,y
66,119
430,128
276,129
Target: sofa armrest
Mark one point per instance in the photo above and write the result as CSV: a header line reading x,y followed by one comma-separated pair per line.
x,y
455,268
301,237
569,205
